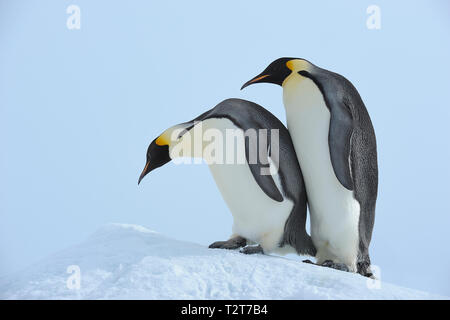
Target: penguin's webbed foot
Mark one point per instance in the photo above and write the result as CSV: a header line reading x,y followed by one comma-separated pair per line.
x,y
230,244
252,250
308,261
337,266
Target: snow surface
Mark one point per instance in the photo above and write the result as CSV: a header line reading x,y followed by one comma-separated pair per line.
x,y
131,262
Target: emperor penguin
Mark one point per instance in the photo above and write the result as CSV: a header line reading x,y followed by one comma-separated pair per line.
x,y
335,144
256,171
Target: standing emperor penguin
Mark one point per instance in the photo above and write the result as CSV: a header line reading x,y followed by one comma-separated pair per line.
x,y
263,186
335,144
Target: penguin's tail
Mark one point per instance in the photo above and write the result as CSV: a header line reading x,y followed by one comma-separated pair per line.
x,y
305,246
295,233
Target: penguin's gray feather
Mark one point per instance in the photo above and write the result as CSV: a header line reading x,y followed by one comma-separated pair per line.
x,y
353,149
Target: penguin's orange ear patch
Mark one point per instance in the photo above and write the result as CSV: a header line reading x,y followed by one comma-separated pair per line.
x,y
298,65
162,141
290,65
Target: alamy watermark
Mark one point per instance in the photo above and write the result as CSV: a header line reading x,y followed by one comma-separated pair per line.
x,y
373,21
73,22
225,146
73,282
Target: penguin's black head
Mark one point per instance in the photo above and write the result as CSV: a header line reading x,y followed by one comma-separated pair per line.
x,y
157,156
275,73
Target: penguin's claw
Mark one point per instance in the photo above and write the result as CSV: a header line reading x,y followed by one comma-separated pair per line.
x,y
252,250
233,243
308,261
337,266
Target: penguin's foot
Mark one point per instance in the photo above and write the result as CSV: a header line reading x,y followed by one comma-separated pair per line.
x,y
233,243
337,266
368,274
252,250
308,261
363,268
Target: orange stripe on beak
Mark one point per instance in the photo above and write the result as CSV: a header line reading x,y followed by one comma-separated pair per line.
x,y
143,173
254,80
259,78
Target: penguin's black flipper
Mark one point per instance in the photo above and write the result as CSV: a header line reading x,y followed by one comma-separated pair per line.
x,y
258,160
339,141
335,88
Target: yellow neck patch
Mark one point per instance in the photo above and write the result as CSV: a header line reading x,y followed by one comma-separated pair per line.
x,y
297,65
164,139
170,135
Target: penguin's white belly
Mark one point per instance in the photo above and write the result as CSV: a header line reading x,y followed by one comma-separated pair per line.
x,y
256,216
334,210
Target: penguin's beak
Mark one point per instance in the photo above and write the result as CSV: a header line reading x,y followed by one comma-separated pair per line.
x,y
259,78
144,172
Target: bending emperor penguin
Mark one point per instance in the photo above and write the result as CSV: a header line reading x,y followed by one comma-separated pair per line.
x,y
262,186
335,144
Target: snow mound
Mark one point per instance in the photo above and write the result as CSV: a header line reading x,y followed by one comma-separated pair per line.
x,y
131,262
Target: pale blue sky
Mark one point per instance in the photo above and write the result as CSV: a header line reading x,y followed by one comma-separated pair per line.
x,y
78,109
